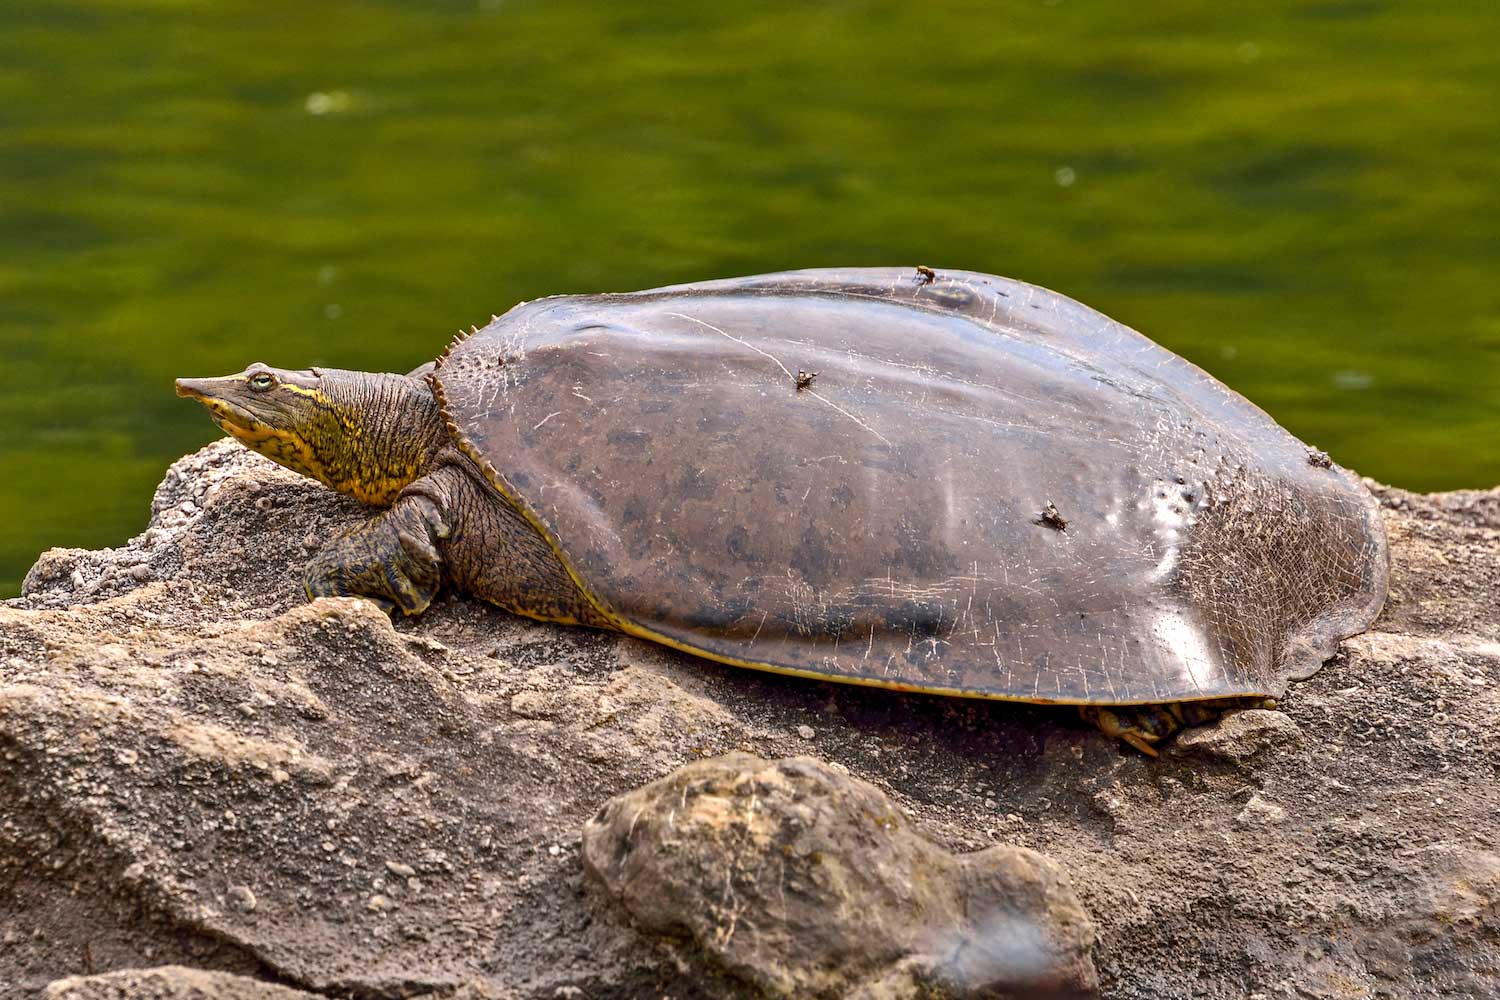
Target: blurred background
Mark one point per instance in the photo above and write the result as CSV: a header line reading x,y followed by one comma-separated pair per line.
x,y
1298,196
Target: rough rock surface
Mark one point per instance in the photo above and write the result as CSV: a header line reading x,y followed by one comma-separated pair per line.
x,y
810,883
197,768
170,982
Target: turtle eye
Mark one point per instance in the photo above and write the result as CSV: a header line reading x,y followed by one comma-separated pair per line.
x,y
262,381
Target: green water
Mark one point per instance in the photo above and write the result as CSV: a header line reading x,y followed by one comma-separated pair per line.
x,y
1300,197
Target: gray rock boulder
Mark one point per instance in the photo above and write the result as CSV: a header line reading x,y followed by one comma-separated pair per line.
x,y
1242,735
810,883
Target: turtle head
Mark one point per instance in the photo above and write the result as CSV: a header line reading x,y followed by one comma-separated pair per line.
x,y
363,434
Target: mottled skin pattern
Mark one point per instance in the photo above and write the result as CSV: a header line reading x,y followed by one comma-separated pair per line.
x,y
379,438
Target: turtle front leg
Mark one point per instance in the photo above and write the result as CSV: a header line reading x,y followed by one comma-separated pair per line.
x,y
392,560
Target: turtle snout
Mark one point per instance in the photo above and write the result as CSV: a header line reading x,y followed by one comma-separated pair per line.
x,y
190,388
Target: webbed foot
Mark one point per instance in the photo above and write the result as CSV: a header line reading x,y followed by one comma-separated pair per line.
x,y
392,560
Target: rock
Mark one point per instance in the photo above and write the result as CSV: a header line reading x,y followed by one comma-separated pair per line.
x,y
1241,735
1260,812
809,883
135,794
169,982
242,897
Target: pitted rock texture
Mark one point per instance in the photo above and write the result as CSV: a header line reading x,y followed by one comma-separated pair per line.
x,y
171,982
198,768
811,883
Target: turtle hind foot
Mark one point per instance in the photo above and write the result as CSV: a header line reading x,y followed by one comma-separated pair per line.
x,y
1145,726
1142,726
392,560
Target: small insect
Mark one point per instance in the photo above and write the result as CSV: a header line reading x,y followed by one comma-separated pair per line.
x,y
1051,518
1319,458
804,379
925,275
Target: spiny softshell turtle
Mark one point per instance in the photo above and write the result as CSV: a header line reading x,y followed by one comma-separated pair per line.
x,y
943,482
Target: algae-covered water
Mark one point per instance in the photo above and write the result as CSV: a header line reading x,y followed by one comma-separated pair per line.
x,y
1303,198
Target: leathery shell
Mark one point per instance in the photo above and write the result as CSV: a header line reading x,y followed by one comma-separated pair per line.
x,y
953,483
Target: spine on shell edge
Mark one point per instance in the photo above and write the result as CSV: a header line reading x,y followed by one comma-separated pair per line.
x,y
458,338
444,411
437,386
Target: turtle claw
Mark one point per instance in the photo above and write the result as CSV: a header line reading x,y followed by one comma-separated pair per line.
x,y
389,607
392,560
1142,726
1140,744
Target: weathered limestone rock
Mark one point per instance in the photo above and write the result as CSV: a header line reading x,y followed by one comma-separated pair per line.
x,y
170,982
197,768
811,883
1242,735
